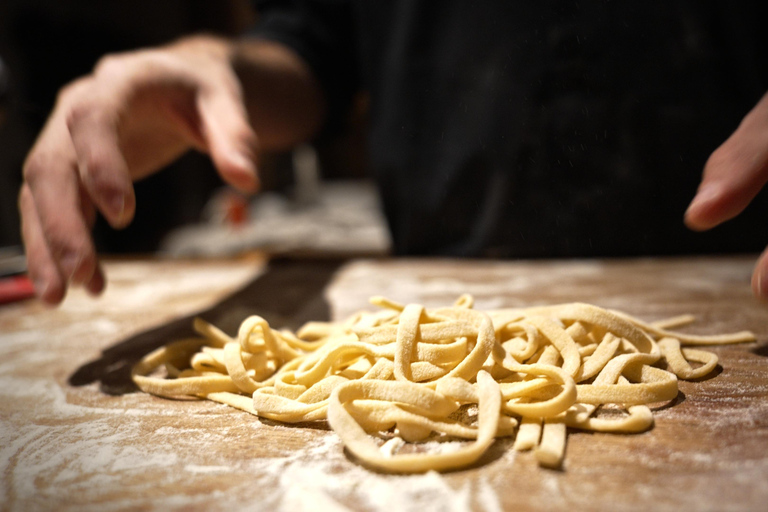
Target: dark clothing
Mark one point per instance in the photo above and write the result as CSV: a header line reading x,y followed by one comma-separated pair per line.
x,y
526,129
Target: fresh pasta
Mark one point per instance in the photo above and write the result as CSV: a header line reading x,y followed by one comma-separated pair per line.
x,y
387,380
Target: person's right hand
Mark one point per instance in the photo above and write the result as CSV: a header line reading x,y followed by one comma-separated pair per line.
x,y
733,176
136,113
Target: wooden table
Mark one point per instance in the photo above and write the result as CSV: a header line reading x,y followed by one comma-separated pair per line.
x,y
74,434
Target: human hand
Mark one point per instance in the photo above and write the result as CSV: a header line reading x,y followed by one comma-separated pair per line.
x,y
733,176
137,112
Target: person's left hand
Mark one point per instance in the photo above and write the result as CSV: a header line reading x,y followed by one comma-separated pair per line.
x,y
733,175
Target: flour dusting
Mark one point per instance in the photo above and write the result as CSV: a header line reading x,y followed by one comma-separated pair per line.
x,y
322,474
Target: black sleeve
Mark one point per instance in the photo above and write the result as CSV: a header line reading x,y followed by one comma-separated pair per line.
x,y
321,32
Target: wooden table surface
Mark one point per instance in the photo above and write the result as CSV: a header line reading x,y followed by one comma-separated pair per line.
x,y
75,435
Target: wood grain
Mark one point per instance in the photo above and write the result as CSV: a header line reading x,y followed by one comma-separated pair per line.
x,y
74,435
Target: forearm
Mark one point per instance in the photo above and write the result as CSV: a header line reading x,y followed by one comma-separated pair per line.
x,y
285,103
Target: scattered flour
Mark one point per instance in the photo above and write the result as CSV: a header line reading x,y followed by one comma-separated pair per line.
x,y
68,450
194,468
487,499
86,451
322,475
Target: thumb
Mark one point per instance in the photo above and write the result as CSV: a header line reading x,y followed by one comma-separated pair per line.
x,y
734,174
230,140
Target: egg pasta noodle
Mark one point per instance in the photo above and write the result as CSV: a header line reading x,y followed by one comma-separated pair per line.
x,y
407,374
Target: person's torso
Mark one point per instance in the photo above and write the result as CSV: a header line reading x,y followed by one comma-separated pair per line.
x,y
553,128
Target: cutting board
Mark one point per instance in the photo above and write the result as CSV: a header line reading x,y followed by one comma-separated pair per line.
x,y
75,435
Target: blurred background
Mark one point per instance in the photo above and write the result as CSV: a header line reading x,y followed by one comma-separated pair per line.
x,y
46,44
318,199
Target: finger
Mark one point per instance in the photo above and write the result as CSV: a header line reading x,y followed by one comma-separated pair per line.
x,y
760,277
53,185
229,137
103,171
734,174
48,281
87,208
96,284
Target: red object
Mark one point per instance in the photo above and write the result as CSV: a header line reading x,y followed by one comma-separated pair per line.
x,y
236,210
15,288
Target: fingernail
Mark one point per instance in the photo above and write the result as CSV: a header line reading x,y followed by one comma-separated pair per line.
x,y
117,207
761,285
243,162
69,265
95,284
248,168
705,195
40,287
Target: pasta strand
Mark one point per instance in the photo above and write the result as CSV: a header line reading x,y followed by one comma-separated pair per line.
x,y
454,372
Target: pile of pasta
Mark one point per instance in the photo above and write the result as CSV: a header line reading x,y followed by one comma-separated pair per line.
x,y
387,380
